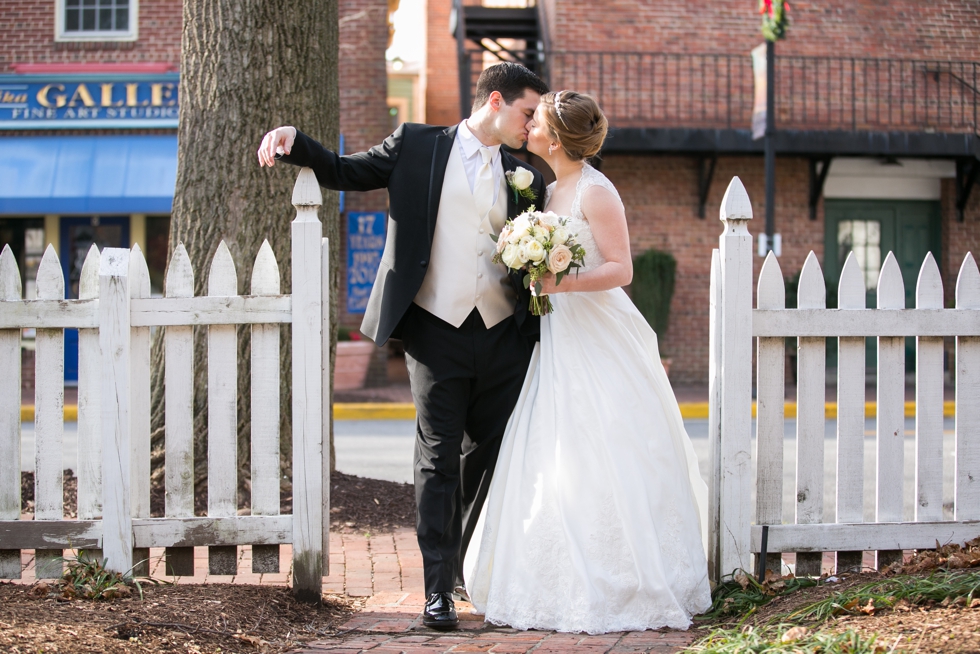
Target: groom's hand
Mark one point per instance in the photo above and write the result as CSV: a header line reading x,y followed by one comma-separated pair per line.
x,y
278,140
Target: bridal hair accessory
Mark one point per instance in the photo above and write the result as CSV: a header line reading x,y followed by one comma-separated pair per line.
x,y
520,181
558,106
537,243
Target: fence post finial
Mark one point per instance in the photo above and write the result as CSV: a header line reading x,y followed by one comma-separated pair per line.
x,y
306,196
735,205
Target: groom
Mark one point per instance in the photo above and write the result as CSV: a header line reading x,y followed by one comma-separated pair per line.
x,y
463,321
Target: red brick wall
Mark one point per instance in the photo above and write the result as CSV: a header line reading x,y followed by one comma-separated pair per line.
x,y
27,36
944,29
441,67
363,97
660,194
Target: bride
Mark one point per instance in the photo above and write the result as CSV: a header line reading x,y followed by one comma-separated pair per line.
x,y
596,513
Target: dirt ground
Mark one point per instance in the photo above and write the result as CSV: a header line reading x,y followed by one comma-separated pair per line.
x,y
926,628
185,619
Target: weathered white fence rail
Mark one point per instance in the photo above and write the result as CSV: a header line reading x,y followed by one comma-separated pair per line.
x,y
737,533
113,314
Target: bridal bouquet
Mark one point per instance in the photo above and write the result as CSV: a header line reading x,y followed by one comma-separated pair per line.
x,y
538,242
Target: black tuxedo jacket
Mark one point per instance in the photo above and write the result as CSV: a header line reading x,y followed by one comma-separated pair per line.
x,y
411,164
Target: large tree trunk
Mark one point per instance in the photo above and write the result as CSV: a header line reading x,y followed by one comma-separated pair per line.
x,y
246,66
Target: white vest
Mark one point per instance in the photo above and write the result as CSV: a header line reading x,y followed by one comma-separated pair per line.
x,y
461,275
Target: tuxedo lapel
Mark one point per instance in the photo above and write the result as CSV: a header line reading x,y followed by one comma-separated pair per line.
x,y
440,157
510,165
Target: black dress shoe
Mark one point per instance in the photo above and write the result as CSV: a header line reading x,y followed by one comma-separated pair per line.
x,y
440,612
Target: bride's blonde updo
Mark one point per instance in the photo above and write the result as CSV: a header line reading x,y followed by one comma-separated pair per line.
x,y
576,121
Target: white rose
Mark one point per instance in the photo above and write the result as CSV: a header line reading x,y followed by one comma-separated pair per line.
x,y
535,251
521,227
522,178
560,236
522,253
550,219
559,258
511,256
539,234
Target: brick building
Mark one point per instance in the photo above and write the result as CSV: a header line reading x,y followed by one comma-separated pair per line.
x,y
876,105
88,117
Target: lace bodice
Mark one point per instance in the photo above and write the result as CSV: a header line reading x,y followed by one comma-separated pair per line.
x,y
578,224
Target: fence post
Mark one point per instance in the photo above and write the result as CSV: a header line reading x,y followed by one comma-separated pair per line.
x,y
736,380
114,338
326,404
307,381
714,416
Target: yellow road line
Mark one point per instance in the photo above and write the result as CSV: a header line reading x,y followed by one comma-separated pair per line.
x,y
406,411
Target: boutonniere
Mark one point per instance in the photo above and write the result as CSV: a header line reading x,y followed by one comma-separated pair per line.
x,y
520,181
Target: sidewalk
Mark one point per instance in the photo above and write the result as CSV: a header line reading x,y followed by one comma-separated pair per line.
x,y
384,571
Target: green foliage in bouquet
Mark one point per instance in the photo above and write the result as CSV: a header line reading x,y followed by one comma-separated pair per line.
x,y
653,287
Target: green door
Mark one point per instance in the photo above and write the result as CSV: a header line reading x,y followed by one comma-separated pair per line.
x,y
872,229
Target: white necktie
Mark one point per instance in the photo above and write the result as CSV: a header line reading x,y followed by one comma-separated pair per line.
x,y
483,186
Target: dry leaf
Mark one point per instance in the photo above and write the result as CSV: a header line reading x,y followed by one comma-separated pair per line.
x,y
742,580
39,590
795,633
869,608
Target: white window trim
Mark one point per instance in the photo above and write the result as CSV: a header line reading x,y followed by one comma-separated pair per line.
x,y
59,26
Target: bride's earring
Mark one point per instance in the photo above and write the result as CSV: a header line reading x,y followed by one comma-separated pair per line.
x,y
551,149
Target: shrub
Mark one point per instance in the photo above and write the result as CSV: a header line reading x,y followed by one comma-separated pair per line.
x,y
653,287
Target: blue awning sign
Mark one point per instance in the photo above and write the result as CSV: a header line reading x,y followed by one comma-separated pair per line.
x,y
87,175
87,101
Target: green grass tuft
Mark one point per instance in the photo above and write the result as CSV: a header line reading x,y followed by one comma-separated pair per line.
x,y
781,638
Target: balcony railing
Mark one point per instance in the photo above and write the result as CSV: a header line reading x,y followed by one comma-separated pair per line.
x,y
812,93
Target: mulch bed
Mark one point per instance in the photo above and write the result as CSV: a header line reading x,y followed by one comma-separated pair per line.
x,y
358,504
187,619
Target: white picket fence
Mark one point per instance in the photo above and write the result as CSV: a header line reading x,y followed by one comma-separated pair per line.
x,y
736,531
114,314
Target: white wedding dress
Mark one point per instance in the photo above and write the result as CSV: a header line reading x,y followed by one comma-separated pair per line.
x,y
595,515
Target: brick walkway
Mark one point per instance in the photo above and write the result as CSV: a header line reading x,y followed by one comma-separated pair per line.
x,y
384,573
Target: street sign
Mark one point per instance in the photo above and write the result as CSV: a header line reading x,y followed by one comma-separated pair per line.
x,y
365,243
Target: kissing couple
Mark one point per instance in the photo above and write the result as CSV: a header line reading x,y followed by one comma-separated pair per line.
x,y
555,483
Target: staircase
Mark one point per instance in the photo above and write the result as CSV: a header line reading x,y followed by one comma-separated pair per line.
x,y
505,33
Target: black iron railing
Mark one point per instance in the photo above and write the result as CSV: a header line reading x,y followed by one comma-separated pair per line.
x,y
812,93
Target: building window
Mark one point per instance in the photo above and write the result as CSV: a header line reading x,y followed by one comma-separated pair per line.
x,y
96,20
863,237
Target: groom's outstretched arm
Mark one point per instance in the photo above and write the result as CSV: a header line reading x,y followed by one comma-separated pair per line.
x,y
363,171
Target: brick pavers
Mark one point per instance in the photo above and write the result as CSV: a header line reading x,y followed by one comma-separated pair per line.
x,y
383,572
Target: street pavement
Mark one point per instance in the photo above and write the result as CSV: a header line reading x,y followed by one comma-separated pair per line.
x,y
383,449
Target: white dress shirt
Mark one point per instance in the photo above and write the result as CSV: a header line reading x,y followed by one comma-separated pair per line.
x,y
469,150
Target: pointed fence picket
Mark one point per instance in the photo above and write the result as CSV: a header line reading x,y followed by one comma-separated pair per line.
x,y
49,402
265,409
10,291
967,476
89,469
139,381
771,400
179,422
733,536
890,427
222,412
851,294
114,314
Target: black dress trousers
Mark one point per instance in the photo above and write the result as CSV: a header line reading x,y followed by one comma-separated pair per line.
x,y
465,383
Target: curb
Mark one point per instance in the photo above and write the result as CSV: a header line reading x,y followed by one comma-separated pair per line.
x,y
406,411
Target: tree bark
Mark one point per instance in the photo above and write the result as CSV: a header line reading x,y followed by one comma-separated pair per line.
x,y
246,66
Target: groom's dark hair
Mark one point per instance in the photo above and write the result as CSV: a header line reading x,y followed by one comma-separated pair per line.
x,y
510,79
